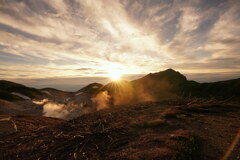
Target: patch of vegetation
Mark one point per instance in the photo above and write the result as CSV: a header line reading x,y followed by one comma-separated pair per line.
x,y
156,153
154,124
209,109
187,147
171,113
182,115
199,110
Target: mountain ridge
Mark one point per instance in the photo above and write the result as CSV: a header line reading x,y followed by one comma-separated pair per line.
x,y
169,82
128,127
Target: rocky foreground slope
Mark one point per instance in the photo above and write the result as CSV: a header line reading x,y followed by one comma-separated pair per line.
x,y
152,130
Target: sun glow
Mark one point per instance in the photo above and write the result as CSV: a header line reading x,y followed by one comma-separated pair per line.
x,y
115,75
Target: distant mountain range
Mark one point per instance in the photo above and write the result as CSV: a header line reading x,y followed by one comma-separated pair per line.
x,y
168,84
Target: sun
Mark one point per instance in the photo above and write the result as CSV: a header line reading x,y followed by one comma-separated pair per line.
x,y
115,75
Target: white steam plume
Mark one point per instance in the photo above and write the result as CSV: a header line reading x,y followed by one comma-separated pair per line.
x,y
63,111
102,100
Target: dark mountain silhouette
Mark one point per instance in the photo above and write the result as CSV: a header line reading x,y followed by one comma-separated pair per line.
x,y
221,89
170,75
170,84
7,89
166,84
179,85
84,95
53,90
91,88
55,94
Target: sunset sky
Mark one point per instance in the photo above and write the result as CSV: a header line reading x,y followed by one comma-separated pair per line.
x,y
69,43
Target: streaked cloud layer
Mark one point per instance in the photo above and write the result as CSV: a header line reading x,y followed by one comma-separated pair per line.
x,y
89,38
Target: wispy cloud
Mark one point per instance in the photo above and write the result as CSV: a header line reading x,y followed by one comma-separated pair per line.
x,y
58,38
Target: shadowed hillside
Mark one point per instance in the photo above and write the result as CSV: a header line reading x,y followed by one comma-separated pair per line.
x,y
7,90
91,88
159,130
175,83
170,84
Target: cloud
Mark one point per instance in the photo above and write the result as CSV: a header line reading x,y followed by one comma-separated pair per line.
x,y
27,35
59,38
